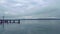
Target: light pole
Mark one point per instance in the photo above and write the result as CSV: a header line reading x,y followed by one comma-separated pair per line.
x,y
3,24
3,21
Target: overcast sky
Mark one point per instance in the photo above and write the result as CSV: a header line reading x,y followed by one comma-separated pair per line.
x,y
30,8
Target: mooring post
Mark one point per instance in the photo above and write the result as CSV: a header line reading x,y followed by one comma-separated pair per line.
x,y
9,21
18,21
13,21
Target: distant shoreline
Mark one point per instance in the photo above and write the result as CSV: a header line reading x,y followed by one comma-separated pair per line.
x,y
35,19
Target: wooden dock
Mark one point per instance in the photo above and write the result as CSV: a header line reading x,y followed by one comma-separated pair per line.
x,y
9,21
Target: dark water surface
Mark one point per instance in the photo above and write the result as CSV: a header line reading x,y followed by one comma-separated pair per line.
x,y
32,27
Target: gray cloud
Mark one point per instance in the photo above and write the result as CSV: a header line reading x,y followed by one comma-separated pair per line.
x,y
32,8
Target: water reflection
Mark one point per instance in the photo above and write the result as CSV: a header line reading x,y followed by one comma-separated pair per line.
x,y
32,27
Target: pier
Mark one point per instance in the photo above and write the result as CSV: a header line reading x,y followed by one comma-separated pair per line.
x,y
9,21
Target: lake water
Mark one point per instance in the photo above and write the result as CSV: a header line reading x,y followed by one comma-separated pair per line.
x,y
32,27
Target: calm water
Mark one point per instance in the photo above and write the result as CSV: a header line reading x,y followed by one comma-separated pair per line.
x,y
32,27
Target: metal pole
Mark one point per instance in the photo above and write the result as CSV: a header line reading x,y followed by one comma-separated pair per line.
x,y
3,22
